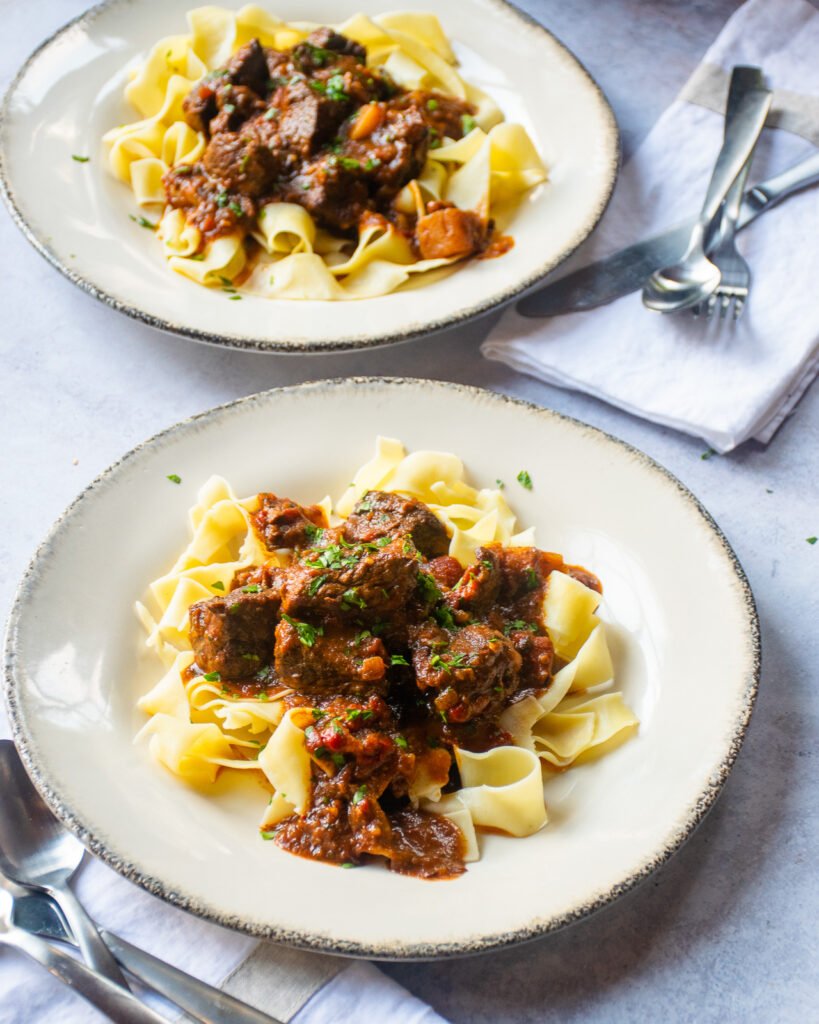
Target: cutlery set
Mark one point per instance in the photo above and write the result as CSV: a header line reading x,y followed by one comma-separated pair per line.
x,y
695,265
38,908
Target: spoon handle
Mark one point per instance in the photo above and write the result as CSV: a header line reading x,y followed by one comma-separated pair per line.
x,y
95,953
116,1003
741,134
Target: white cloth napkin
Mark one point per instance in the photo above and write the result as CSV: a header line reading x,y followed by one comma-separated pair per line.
x,y
725,383
296,987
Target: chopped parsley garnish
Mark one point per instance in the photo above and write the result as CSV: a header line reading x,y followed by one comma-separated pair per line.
x,y
321,752
443,616
222,200
212,677
524,480
229,108
234,298
348,864
434,139
317,713
143,222
532,579
468,123
307,634
519,624
360,794
268,834
174,478
401,742
80,159
335,88
313,532
500,484
398,659
349,163
218,585
315,585
333,557
811,540
263,696
429,588
363,635
432,104
447,664
270,113
338,760
353,713
318,86
251,657
252,588
707,454
234,207
352,598
372,163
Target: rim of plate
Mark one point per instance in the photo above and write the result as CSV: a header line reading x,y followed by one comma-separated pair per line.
x,y
347,342
686,824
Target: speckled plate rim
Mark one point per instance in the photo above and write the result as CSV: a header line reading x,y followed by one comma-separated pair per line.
x,y
349,342
687,822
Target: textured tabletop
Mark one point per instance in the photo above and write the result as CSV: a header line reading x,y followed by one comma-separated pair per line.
x,y
728,930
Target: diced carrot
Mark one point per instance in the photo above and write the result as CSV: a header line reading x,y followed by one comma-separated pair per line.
x,y
369,118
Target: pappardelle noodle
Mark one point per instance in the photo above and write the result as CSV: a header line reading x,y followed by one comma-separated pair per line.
x,y
300,161
397,670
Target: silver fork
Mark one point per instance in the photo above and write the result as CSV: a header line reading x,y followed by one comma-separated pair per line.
x,y
735,274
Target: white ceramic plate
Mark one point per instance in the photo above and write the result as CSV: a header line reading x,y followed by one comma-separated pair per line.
x,y
70,92
683,633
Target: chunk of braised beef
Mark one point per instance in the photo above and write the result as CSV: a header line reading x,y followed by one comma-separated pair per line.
x,y
393,153
367,585
186,186
468,672
328,39
284,524
307,117
476,593
524,572
199,106
537,654
445,570
234,635
236,104
261,577
381,514
248,67
316,661
333,194
241,162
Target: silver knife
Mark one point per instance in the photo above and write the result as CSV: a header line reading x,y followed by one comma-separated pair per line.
x,y
627,270
36,913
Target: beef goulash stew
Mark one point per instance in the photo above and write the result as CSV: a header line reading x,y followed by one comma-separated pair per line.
x,y
313,125
399,652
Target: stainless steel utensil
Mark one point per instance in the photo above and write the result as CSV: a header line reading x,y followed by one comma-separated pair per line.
x,y
694,278
625,271
116,1002
36,850
735,274
207,1004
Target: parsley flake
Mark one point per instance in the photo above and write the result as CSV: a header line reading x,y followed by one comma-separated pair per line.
x,y
401,742
811,540
360,794
212,677
143,222
218,585
253,588
174,478
80,159
524,480
307,634
398,659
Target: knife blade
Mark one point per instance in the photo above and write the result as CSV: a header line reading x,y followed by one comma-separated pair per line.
x,y
626,271
37,914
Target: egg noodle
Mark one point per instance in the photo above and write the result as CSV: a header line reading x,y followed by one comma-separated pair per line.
x,y
197,728
486,171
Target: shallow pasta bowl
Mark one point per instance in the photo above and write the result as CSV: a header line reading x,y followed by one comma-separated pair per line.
x,y
70,92
77,664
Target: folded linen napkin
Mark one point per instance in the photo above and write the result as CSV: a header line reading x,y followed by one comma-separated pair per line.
x,y
723,382
297,987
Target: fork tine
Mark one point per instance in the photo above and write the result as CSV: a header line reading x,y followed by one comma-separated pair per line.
x,y
725,304
710,306
739,306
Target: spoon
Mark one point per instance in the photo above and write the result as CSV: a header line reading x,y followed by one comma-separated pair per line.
x,y
36,851
695,278
117,1003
